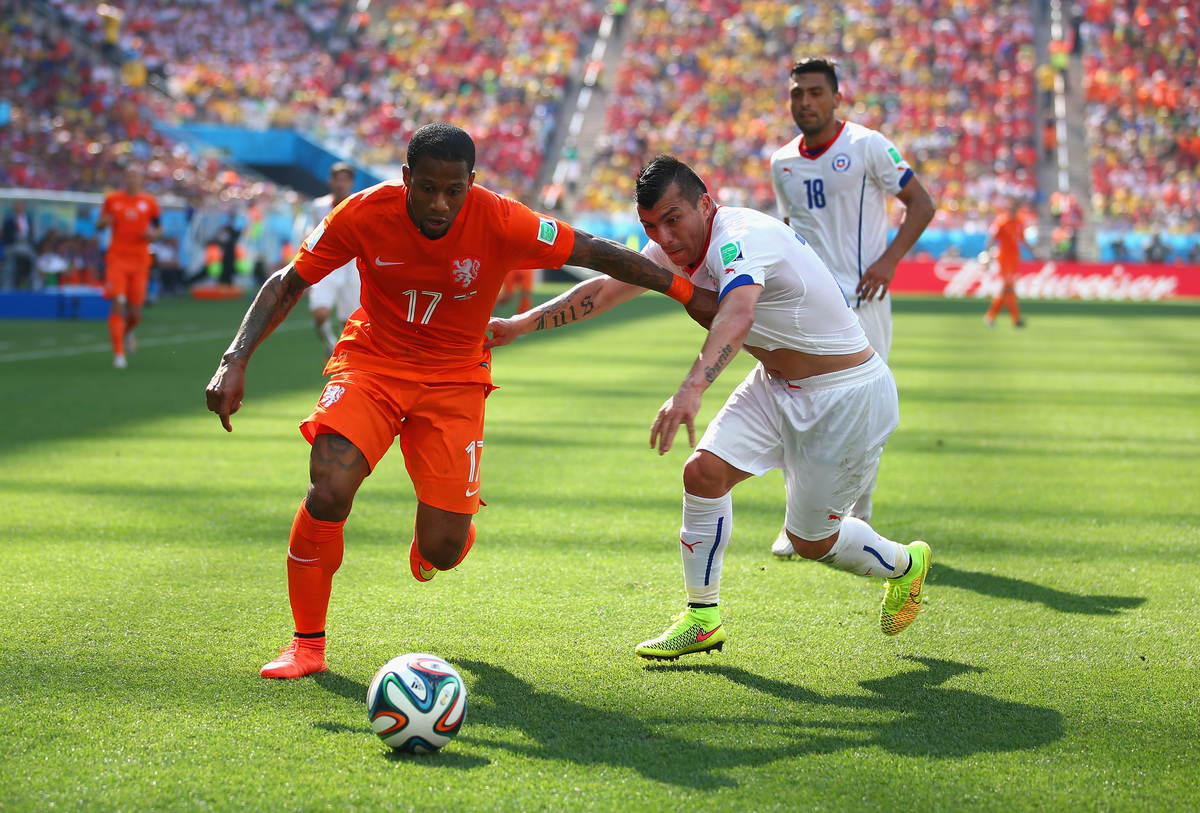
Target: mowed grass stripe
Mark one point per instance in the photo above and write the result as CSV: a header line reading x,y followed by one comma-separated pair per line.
x,y
1054,667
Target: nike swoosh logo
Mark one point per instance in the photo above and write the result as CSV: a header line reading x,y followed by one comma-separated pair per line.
x,y
471,492
298,559
704,636
427,572
385,262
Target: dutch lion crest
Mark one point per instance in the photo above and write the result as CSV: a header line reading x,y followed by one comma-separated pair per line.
x,y
465,271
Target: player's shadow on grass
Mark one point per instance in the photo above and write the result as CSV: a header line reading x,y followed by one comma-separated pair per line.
x,y
907,714
991,584
932,722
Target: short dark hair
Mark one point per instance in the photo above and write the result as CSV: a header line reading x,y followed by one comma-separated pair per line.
x,y
442,142
817,65
656,177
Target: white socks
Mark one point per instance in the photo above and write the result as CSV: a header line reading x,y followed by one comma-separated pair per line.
x,y
862,551
707,525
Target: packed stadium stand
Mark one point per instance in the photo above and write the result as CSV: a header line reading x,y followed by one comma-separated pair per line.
x,y
1143,120
969,90
950,83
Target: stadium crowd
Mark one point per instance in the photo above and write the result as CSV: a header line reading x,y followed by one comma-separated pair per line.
x,y
693,82
71,123
954,84
1143,113
277,63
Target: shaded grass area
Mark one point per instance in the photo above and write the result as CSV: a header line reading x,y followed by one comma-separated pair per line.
x,y
1052,470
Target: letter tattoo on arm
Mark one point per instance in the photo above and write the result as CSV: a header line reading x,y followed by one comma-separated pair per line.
x,y
723,356
562,311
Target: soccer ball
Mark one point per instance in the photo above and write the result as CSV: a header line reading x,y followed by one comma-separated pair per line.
x,y
417,703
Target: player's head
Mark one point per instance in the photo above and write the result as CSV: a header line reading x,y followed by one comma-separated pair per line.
x,y
814,97
439,173
133,179
674,208
341,181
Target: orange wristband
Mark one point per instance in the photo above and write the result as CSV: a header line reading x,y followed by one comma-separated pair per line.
x,y
681,289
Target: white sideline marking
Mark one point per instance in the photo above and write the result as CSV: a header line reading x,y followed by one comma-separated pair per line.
x,y
143,342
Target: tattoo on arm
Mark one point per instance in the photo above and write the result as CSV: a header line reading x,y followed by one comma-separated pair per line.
x,y
271,306
619,262
723,356
563,311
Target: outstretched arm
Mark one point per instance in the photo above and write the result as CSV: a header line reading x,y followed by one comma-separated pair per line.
x,y
587,299
271,306
724,340
623,263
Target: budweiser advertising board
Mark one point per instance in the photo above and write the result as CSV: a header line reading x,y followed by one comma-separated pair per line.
x,y
967,277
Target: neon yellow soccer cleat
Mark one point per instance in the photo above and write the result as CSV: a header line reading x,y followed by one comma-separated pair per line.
x,y
904,595
694,630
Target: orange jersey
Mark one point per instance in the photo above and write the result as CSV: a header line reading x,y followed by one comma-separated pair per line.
x,y
132,216
1007,232
426,303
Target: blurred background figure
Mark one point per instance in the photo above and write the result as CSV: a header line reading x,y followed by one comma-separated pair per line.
x,y
337,295
1006,237
18,243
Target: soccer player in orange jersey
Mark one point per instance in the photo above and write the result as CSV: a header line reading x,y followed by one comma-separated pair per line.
x,y
433,251
136,222
519,282
1007,234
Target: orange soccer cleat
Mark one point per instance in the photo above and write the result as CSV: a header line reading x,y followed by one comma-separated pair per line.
x,y
297,659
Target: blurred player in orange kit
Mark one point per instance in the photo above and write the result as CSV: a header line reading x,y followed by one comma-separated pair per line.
x,y
1007,234
519,281
433,251
136,222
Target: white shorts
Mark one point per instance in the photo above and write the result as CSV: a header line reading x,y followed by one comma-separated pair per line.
x,y
340,292
825,432
876,320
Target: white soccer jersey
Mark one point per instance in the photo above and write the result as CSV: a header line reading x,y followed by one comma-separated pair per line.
x,y
801,306
341,290
311,215
838,199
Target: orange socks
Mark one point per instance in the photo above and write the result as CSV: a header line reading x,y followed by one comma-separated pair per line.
x,y
314,554
999,302
116,331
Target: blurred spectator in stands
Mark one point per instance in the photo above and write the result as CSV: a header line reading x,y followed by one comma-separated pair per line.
x,y
18,241
51,263
1120,252
1156,250
1049,138
1193,252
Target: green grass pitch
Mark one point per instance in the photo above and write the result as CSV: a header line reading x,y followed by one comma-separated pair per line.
x,y
1053,470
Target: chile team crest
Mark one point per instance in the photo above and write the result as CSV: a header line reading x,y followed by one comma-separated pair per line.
x,y
841,162
465,270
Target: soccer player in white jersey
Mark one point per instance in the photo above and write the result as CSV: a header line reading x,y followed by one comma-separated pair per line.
x,y
832,184
340,292
819,405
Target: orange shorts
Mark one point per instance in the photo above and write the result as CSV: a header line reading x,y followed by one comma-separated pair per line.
x,y
128,276
440,427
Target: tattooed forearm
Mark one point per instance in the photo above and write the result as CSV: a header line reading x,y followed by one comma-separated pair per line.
x,y
563,311
713,370
619,262
274,301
